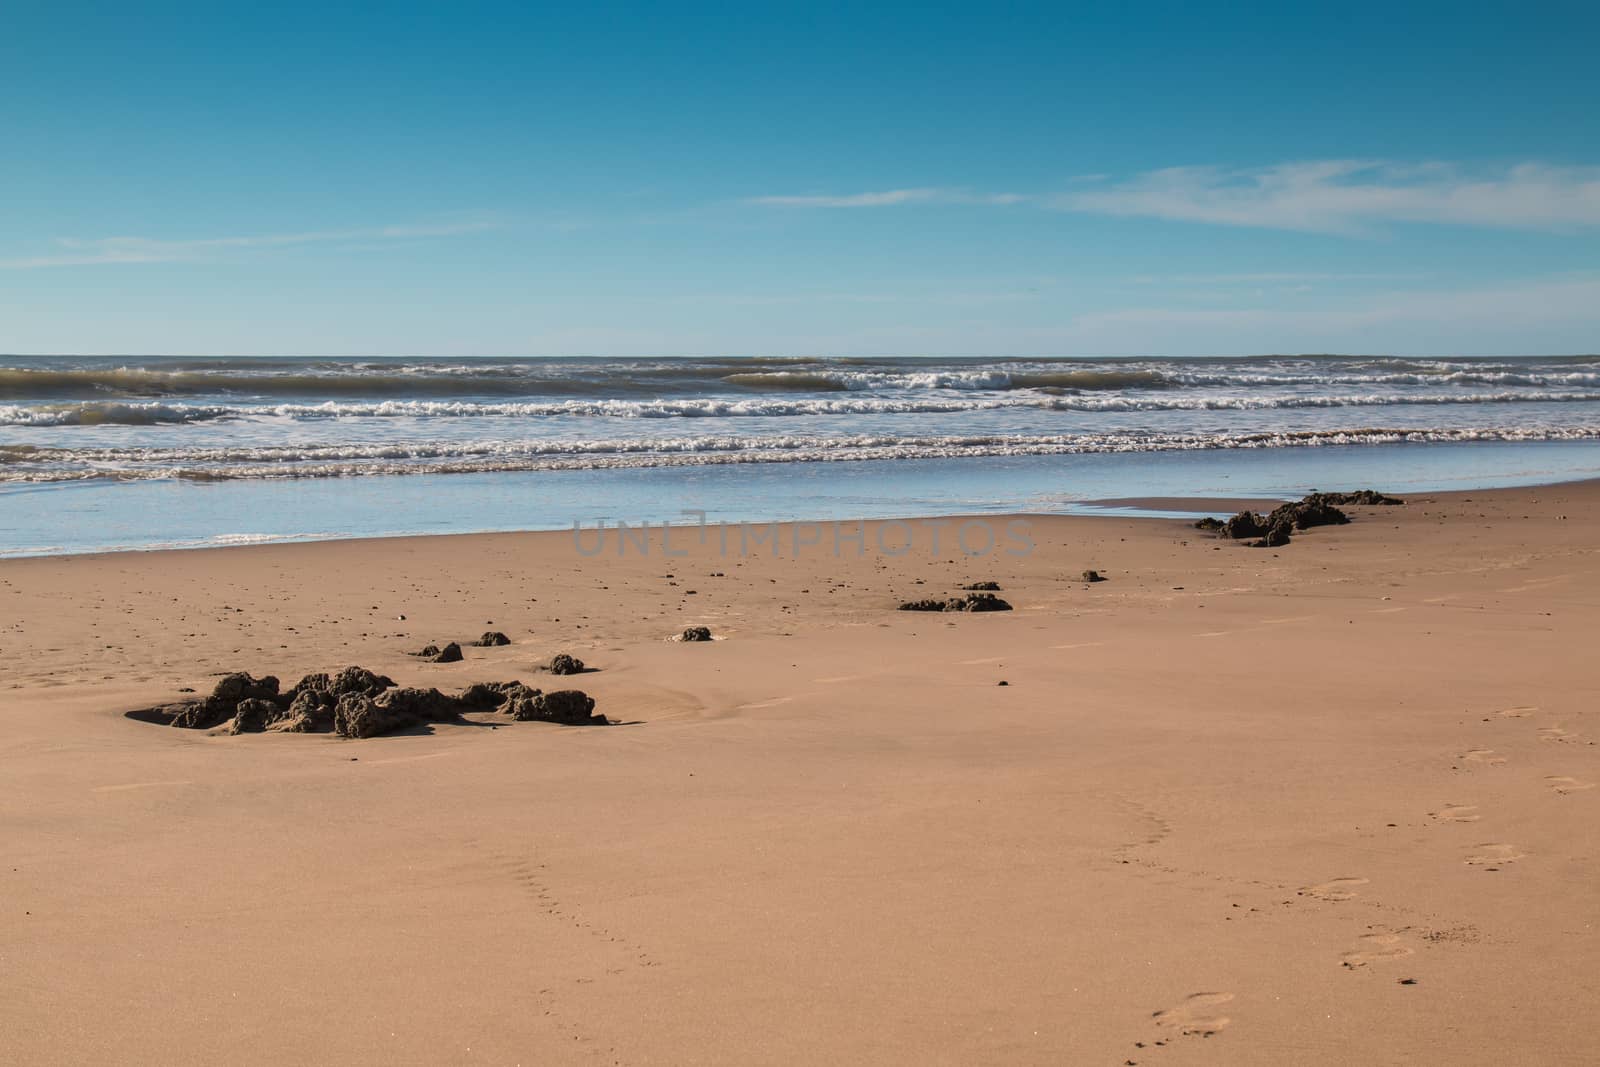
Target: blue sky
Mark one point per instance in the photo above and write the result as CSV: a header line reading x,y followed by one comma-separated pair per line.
x,y
515,179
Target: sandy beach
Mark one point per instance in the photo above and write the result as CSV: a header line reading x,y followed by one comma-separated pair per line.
x,y
1333,802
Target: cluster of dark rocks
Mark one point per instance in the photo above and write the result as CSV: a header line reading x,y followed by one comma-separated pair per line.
x,y
981,587
696,633
1277,526
970,602
524,703
451,653
355,702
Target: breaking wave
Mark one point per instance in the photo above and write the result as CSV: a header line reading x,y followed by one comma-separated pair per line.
x,y
37,464
156,412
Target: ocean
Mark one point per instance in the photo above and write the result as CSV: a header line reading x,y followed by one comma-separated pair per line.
x,y
150,452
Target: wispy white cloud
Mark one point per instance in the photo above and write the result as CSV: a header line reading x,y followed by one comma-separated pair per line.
x,y
1323,196
1270,277
113,250
1507,318
1352,196
889,198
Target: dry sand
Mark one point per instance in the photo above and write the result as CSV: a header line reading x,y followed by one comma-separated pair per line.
x,y
1328,803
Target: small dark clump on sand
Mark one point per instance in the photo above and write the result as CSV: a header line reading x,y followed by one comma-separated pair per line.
x,y
696,633
970,602
450,653
561,663
358,703
980,587
1093,576
492,639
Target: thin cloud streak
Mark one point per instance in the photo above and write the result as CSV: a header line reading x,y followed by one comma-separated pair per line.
x,y
1338,196
123,250
888,198
1353,196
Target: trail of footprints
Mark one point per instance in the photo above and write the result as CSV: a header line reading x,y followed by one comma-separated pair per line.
x,y
1495,855
529,878
1198,1014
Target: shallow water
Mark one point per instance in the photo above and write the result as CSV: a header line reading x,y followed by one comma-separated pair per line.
x,y
99,515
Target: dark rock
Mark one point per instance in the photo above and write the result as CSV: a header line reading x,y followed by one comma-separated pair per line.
x,y
359,680
487,695
422,705
450,653
561,663
993,587
311,711
223,703
1304,514
195,715
1276,527
358,715
241,686
1243,525
519,701
570,707
970,602
1210,525
1093,576
1276,536
1360,498
253,715
697,633
350,680
492,639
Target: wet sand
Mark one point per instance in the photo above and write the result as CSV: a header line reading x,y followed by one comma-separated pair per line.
x,y
1332,802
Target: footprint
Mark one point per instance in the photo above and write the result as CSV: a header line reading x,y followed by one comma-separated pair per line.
x,y
1376,948
1458,813
1483,755
1194,1015
1563,784
1521,712
1337,889
1555,733
1494,855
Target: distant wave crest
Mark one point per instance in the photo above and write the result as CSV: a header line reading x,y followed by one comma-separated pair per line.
x,y
159,412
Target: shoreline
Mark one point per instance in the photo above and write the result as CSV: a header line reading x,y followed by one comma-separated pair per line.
x,y
1335,796
1140,508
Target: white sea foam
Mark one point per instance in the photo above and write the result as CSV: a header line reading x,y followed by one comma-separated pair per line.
x,y
352,460
160,412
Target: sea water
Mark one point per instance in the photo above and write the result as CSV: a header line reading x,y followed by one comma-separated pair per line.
x,y
127,453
